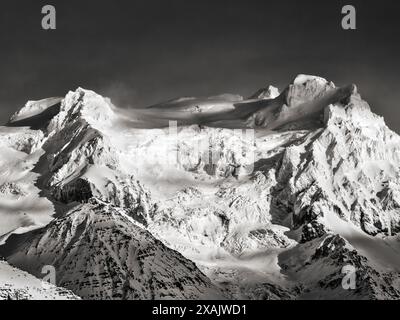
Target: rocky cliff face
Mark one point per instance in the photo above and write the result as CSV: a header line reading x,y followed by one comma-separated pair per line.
x,y
277,212
344,168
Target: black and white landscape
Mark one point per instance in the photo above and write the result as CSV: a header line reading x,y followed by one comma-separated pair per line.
x,y
199,150
91,190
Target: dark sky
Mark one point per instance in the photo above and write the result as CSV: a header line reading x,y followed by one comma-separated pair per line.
x,y
143,52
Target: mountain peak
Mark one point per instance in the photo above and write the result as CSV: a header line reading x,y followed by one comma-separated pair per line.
x,y
83,104
302,79
269,92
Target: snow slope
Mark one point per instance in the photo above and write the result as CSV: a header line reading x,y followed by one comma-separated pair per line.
x,y
19,285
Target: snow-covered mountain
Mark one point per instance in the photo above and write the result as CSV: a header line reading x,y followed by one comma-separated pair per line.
x,y
269,197
99,252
